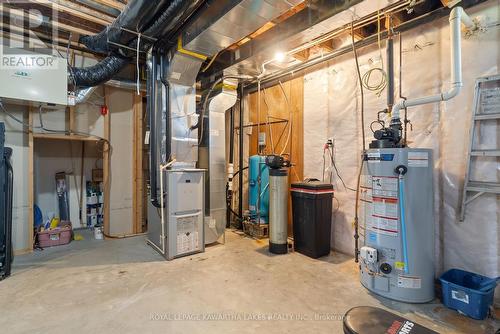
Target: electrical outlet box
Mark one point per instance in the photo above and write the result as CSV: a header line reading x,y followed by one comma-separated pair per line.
x,y
262,139
369,254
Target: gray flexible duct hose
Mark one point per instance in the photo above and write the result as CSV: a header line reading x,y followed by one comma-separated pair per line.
x,y
100,72
136,16
111,65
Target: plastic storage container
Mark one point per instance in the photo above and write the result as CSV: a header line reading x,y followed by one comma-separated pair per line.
x,y
55,237
468,293
312,217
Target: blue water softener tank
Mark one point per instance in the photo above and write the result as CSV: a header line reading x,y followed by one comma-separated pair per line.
x,y
257,169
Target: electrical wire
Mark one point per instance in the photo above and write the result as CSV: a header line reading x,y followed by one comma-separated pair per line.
x,y
338,205
324,167
86,134
377,87
330,151
41,127
239,171
269,128
210,63
24,124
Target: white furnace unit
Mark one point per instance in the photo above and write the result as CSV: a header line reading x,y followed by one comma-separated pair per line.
x,y
177,229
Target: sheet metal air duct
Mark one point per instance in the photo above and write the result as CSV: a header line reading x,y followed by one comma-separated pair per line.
x,y
212,155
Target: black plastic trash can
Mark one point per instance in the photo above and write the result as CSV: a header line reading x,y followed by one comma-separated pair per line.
x,y
312,217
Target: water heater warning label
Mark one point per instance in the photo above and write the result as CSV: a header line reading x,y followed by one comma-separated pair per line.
x,y
385,186
384,216
387,226
409,282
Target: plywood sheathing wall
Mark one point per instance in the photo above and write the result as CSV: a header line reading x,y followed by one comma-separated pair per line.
x,y
274,105
331,99
121,136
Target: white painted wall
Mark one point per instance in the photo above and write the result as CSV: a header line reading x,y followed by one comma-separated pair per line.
x,y
331,102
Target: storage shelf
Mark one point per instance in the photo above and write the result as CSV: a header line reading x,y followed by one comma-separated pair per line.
x,y
486,153
487,187
59,136
482,117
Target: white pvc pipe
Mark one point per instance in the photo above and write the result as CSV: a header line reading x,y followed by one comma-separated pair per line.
x,y
456,17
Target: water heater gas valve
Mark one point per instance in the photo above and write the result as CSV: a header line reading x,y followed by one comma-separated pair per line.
x,y
368,254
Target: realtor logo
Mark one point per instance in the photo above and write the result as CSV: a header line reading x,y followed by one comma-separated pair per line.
x,y
29,30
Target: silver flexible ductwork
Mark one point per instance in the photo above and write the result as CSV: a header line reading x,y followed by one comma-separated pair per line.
x,y
84,94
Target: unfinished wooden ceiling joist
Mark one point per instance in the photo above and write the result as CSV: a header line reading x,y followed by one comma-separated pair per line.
x,y
379,24
69,18
76,10
64,22
112,3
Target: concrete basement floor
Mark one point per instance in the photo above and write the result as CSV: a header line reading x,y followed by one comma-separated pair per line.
x,y
123,286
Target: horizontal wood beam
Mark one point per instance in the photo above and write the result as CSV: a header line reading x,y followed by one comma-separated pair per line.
x,y
112,3
76,10
58,25
58,44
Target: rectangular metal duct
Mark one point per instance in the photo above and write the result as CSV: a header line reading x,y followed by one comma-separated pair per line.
x,y
230,22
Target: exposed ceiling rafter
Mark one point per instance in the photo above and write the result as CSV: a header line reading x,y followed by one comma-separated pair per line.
x,y
76,10
112,3
21,14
